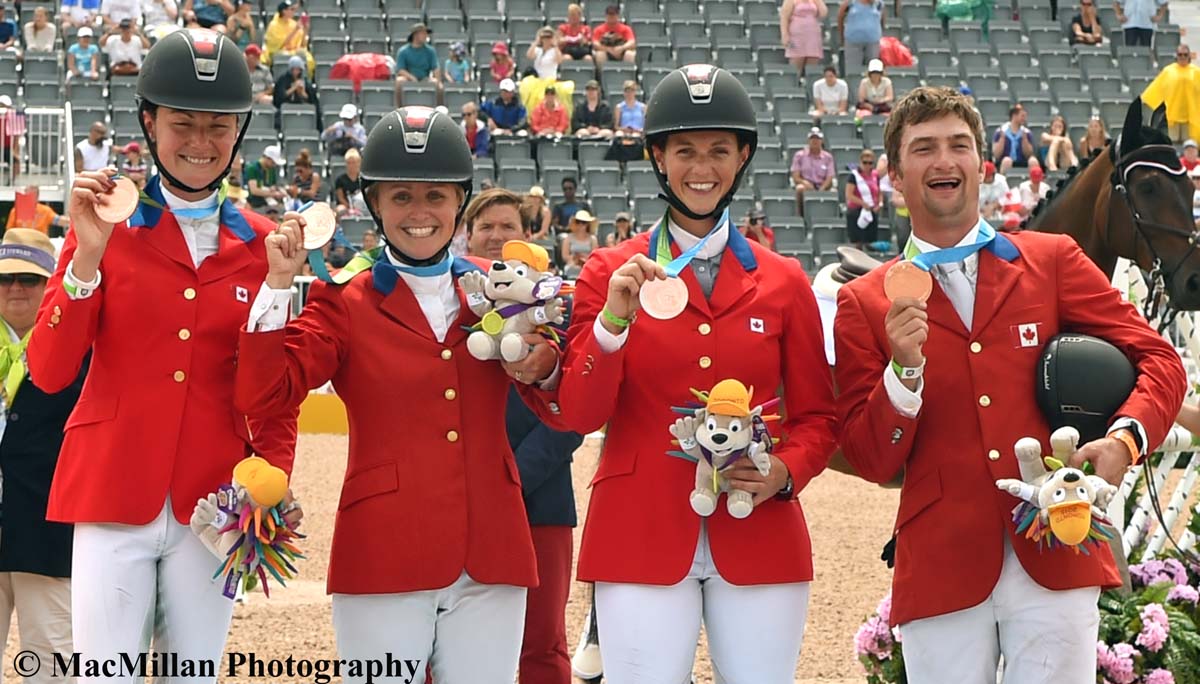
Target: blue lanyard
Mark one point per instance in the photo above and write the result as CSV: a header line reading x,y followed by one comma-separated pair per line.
x,y
675,266
927,260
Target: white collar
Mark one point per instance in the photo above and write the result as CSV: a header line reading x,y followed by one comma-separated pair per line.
x,y
685,240
968,239
176,202
419,284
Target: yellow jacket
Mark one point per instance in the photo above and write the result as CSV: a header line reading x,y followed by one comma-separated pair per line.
x,y
1179,87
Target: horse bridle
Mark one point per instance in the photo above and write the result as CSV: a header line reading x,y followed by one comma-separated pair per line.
x,y
1164,159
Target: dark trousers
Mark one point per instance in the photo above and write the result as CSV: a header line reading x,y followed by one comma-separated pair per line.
x,y
544,658
1138,36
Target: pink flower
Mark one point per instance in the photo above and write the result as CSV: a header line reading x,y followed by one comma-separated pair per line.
x,y
1160,676
1184,594
1117,662
1175,570
885,608
1154,612
1152,637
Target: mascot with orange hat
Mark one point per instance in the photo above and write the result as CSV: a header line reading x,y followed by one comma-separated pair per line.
x,y
516,297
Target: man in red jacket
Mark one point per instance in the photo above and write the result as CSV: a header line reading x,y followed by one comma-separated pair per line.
x,y
942,388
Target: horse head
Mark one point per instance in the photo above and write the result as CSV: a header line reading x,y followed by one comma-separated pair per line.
x,y
1149,218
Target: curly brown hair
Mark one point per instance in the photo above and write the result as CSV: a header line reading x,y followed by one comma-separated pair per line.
x,y
926,104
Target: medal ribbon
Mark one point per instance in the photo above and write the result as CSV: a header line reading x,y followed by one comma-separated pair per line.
x,y
662,246
927,260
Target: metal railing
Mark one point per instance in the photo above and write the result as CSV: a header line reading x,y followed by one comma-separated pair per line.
x,y
40,152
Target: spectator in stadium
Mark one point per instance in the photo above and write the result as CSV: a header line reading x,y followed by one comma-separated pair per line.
x,y
536,214
549,117
40,32
629,119
813,168
992,191
113,12
544,54
1178,87
830,94
458,67
1191,155
579,243
754,227
1012,143
125,49
261,80
875,93
479,139
286,35
133,165
79,13
1086,28
262,178
574,35
614,39
83,58
1057,148
8,33
622,229
292,86
42,219
1095,139
1138,19
1033,190
1194,174
207,13
593,118
506,114
860,24
12,127
370,240
502,67
242,27
546,57
159,17
801,33
93,152
863,202
417,62
347,188
306,182
346,133
35,555
543,458
561,213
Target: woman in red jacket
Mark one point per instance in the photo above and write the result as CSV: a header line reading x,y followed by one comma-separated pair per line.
x,y
431,549
155,428
659,568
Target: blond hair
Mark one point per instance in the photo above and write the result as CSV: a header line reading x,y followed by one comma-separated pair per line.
x,y
927,104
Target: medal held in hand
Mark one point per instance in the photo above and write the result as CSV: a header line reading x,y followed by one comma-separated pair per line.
x,y
666,299
320,223
906,279
118,204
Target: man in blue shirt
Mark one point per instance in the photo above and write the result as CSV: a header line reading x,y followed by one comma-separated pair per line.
x,y
417,62
506,114
1138,19
8,32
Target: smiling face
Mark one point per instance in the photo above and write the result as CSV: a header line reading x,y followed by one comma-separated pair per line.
x,y
512,281
194,147
701,166
418,218
938,172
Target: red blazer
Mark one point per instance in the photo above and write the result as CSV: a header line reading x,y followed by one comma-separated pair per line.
x,y
431,486
978,401
761,327
156,415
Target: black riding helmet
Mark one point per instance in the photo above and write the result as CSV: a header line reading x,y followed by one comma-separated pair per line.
x,y
417,145
700,97
196,70
1081,382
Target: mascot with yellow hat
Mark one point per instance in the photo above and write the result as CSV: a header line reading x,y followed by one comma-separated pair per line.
x,y
517,296
716,435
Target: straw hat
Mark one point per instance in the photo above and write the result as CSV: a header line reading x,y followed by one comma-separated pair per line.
x,y
25,250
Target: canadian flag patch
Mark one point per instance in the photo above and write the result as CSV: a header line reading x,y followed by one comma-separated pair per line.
x,y
756,325
1027,335
242,294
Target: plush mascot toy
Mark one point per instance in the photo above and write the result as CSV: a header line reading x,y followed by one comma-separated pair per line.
x,y
717,434
242,524
1061,506
517,296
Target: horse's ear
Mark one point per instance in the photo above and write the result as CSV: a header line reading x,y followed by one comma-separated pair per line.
x,y
1131,131
1158,120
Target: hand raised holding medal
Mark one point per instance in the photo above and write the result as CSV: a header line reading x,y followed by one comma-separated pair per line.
x,y
908,286
625,285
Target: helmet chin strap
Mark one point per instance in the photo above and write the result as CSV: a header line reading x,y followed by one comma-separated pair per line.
x,y
668,195
170,177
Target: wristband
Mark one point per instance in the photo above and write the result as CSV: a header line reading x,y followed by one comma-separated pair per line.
x,y
611,317
908,373
1123,435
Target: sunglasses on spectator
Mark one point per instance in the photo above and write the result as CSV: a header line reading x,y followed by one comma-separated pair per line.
x,y
26,279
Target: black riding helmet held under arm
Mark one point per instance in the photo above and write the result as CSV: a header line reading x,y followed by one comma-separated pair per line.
x,y
196,70
694,98
1081,381
417,145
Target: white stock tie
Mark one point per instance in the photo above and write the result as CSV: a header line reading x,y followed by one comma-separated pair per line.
x,y
958,289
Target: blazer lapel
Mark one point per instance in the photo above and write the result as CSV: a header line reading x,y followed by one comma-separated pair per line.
x,y
168,239
735,278
996,280
400,304
232,255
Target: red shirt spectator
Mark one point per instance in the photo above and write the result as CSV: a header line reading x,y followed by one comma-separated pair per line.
x,y
549,117
614,39
756,229
1191,155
